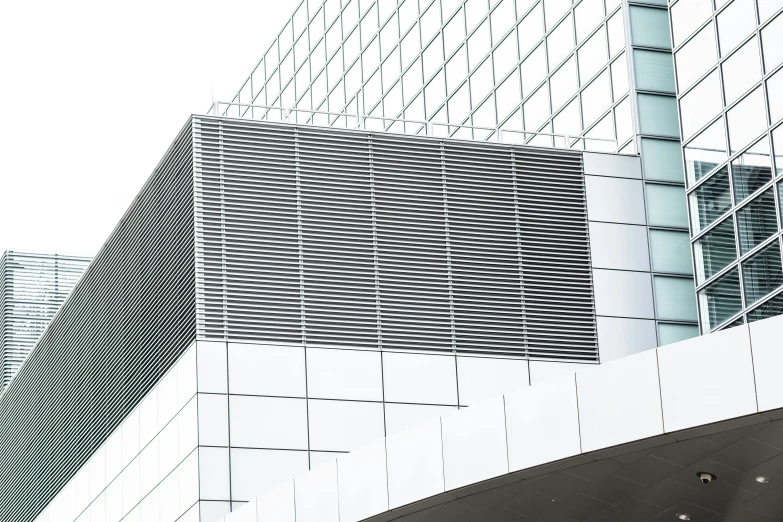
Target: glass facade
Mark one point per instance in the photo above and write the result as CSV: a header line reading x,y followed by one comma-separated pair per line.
x,y
728,57
594,68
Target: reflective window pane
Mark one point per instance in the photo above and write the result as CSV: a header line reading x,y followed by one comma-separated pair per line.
x,y
767,8
530,30
569,121
537,109
770,308
721,300
478,45
747,120
563,84
596,98
762,273
666,205
741,71
554,9
505,57
772,41
560,42
675,298
735,23
619,77
705,152
775,96
670,251
616,29
650,27
777,144
674,333
711,200
533,70
757,221
658,115
592,56
662,159
654,71
687,15
589,13
696,57
751,170
715,250
700,105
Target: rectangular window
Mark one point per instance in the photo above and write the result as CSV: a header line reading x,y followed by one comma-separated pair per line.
x,y
658,115
721,300
671,251
666,205
674,333
762,273
662,160
650,27
654,71
757,221
711,200
675,298
715,250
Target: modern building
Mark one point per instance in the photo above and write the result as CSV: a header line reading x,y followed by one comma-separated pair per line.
x,y
728,57
487,70
338,285
32,288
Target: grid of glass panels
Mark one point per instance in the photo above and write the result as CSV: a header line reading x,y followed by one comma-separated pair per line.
x,y
664,181
535,65
728,58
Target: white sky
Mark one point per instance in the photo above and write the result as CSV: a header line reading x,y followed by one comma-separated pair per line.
x,y
93,92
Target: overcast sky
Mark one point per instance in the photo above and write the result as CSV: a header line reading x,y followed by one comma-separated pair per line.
x,y
91,95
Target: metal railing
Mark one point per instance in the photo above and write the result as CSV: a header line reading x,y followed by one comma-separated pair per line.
x,y
406,126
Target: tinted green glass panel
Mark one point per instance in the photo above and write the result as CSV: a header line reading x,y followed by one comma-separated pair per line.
x,y
671,251
654,70
666,206
650,27
721,300
762,273
662,159
715,250
658,115
675,298
674,333
757,221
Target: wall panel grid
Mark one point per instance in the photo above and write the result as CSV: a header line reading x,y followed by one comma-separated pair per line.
x,y
357,239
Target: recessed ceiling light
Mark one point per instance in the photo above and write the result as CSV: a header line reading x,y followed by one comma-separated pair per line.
x,y
762,479
683,516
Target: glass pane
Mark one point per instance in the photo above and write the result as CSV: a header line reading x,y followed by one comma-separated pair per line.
x,y
530,30
564,84
711,200
619,77
502,19
772,42
568,121
658,115
675,298
700,105
589,13
616,29
705,152
696,57
771,308
777,144
654,71
670,251
592,56
666,205
757,221
505,57
747,120
560,42
767,8
751,170
508,96
721,300
674,333
741,71
554,9
650,27
479,44
533,70
481,82
735,23
537,109
715,250
775,96
687,15
623,120
662,159
762,273
596,98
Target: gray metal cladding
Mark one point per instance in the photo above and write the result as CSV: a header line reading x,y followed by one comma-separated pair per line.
x,y
361,239
126,322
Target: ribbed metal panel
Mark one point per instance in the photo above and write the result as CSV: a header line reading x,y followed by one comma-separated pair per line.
x,y
125,323
32,288
354,238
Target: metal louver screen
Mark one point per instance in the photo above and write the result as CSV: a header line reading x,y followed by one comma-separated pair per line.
x,y
126,322
361,239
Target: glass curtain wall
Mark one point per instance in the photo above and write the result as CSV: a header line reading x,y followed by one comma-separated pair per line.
x,y
546,65
658,133
728,57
